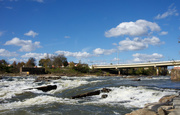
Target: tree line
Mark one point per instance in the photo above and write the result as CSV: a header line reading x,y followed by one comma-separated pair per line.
x,y
53,64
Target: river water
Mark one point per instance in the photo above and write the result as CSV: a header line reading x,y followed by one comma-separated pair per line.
x,y
16,98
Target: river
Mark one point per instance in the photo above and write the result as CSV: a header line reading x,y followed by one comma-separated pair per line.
x,y
16,98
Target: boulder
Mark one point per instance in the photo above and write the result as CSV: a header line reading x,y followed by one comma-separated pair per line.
x,y
167,98
87,94
46,88
167,107
104,96
174,112
161,111
143,111
176,102
155,106
104,90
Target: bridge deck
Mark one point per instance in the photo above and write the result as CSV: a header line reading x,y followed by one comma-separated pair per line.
x,y
136,65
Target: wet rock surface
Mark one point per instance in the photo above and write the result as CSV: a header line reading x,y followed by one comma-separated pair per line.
x,y
143,111
104,90
167,105
167,98
45,88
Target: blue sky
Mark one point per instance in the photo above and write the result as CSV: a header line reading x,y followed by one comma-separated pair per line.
x,y
93,31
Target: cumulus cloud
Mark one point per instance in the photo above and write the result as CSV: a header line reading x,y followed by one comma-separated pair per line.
x,y
171,12
74,54
26,45
138,43
152,41
99,51
6,53
146,58
135,44
138,28
37,56
31,33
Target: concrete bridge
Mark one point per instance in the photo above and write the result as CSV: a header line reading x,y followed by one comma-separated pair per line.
x,y
156,65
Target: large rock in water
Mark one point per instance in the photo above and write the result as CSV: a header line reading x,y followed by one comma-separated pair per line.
x,y
143,111
175,75
104,90
46,88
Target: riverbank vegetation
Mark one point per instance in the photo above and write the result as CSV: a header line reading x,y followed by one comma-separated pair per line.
x,y
53,65
59,65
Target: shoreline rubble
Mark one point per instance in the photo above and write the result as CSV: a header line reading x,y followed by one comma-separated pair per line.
x,y
167,105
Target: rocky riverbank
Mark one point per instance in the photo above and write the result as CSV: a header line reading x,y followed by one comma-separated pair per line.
x,y
167,105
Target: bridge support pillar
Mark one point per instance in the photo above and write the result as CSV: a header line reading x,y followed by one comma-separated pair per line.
x,y
119,72
157,71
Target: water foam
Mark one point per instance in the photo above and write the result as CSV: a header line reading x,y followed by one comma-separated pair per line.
x,y
67,84
10,89
39,100
132,97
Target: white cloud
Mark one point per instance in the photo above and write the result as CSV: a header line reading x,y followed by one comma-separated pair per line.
x,y
6,53
152,41
31,33
138,43
138,28
26,45
12,59
37,56
135,44
171,11
146,58
99,51
74,54
163,33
